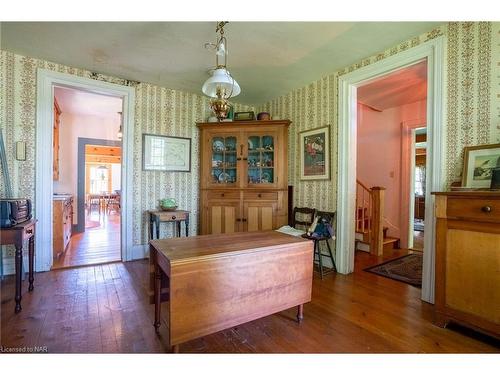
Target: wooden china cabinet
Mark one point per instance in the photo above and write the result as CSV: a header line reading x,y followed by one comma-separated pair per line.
x,y
244,176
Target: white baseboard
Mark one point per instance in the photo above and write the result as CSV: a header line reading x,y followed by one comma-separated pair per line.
x,y
140,252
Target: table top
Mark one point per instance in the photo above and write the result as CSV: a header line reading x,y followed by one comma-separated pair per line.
x,y
186,249
21,226
158,212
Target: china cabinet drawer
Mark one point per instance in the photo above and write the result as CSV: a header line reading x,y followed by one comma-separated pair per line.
x,y
221,194
260,196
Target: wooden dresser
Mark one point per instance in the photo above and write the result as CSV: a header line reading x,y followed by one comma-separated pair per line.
x,y
244,176
62,223
468,260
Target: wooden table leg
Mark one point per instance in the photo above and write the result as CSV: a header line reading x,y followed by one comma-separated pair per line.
x,y
19,267
31,252
151,227
157,298
300,313
157,223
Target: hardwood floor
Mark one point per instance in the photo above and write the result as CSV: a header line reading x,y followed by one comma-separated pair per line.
x,y
100,243
418,240
104,308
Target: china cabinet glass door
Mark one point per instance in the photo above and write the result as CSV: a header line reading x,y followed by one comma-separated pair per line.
x,y
261,162
224,160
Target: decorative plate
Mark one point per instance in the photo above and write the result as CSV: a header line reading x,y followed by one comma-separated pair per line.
x,y
224,177
266,177
218,146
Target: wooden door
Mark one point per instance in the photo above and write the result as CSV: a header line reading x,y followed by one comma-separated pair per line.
x,y
262,167
258,216
222,217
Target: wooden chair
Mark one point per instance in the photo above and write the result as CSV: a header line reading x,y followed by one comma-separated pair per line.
x,y
113,203
94,202
325,218
302,216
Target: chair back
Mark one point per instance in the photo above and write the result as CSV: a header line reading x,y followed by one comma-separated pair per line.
x,y
303,216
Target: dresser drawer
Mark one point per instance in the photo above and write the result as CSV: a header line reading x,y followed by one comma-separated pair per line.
x,y
223,194
260,196
474,209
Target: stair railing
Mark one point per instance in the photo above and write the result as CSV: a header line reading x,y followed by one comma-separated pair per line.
x,y
370,216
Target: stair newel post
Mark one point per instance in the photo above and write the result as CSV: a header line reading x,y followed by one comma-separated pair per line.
x,y
377,237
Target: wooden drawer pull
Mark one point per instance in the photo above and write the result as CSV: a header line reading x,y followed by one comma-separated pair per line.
x,y
259,195
238,219
486,209
222,195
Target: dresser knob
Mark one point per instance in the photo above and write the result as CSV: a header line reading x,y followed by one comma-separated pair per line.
x,y
259,195
173,217
486,209
222,195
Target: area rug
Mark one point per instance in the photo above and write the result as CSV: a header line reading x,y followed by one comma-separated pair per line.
x,y
407,269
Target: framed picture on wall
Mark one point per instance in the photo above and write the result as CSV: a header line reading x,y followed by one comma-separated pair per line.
x,y
479,163
314,147
162,153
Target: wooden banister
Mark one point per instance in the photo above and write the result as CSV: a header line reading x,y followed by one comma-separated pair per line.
x,y
370,216
377,238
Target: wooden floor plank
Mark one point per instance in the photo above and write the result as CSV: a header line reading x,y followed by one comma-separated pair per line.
x,y
105,308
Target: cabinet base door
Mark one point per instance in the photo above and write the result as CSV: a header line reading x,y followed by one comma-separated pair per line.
x,y
259,216
222,217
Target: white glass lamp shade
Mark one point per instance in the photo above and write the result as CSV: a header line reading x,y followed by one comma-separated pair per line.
x,y
221,80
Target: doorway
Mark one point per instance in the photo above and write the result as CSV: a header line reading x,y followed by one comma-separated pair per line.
x,y
87,178
44,189
433,52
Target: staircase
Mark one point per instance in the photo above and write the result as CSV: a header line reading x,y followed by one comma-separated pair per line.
x,y
371,235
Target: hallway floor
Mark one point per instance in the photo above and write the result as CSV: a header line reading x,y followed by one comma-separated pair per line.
x,y
100,243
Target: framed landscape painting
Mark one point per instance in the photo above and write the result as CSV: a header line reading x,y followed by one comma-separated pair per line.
x,y
479,162
162,153
315,154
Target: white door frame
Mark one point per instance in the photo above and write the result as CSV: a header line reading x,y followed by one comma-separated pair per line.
x,y
434,51
408,131
46,80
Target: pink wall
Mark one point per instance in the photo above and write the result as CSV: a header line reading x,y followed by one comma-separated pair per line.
x,y
379,154
74,126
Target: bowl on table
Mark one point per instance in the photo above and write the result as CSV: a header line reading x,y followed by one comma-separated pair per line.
x,y
168,204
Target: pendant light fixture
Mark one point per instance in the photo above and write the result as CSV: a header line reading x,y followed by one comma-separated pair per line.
x,y
221,85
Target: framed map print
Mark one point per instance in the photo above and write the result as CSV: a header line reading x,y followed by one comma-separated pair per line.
x,y
162,153
315,154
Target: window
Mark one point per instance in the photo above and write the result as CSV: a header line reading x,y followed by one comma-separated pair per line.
x,y
420,180
99,179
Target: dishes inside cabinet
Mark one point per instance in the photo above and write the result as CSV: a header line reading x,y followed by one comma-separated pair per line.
x,y
218,146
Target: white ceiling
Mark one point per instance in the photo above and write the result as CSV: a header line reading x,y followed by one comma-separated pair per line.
x,y
78,102
404,86
268,59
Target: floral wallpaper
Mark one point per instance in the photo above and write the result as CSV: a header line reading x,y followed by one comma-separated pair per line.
x,y
158,110
472,108
472,116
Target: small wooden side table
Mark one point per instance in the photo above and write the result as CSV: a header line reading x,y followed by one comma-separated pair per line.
x,y
156,217
17,235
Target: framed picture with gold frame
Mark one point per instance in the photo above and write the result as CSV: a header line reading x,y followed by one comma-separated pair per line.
x,y
314,146
479,162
